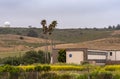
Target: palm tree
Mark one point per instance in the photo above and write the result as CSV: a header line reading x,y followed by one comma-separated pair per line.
x,y
43,23
52,26
46,31
50,30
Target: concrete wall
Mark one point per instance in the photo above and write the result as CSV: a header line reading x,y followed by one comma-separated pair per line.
x,y
98,56
55,56
115,55
79,55
74,57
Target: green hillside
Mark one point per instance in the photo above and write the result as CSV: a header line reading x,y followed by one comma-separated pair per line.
x,y
16,40
63,35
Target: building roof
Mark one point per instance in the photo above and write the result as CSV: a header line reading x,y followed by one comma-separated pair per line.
x,y
71,49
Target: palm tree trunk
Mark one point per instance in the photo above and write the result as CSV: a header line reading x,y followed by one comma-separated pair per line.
x,y
51,53
46,49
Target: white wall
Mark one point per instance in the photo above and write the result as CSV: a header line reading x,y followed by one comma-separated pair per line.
x,y
77,57
96,57
115,55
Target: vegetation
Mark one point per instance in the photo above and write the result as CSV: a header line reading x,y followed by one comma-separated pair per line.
x,y
74,35
32,33
10,42
26,66
62,56
29,57
50,27
48,72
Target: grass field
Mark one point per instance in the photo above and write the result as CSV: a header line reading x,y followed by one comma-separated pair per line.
x,y
81,38
12,54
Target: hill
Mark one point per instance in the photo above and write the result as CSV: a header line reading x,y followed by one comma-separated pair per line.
x,y
10,42
63,35
112,43
10,38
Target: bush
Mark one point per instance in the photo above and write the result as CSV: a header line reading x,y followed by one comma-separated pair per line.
x,y
11,61
11,69
30,57
29,69
46,68
69,67
38,68
32,33
21,38
112,67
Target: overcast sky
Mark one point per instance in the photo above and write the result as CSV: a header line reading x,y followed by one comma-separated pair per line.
x,y
68,13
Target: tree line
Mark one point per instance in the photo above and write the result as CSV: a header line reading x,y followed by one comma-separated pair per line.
x,y
117,27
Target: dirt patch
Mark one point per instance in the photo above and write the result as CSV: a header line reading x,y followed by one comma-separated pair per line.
x,y
117,32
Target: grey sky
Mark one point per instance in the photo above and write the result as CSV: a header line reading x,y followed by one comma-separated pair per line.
x,y
68,13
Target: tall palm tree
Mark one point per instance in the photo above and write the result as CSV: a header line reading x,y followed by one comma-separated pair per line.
x,y
48,30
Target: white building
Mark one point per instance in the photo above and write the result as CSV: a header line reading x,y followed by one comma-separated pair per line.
x,y
76,56
98,57
114,55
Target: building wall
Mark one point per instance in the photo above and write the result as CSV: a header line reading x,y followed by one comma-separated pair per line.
x,y
98,56
75,57
114,55
55,56
79,55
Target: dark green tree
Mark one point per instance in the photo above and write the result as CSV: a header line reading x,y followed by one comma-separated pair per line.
x,y
110,27
62,56
30,57
118,27
11,61
41,56
32,33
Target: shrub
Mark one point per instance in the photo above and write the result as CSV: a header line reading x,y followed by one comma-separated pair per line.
x,y
38,68
14,71
112,67
21,38
11,61
32,33
69,67
46,68
30,57
29,69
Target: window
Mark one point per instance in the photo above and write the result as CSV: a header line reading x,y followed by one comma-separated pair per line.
x,y
70,55
110,53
